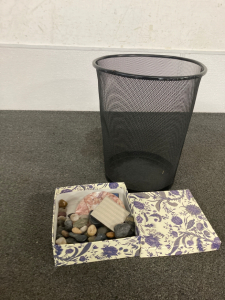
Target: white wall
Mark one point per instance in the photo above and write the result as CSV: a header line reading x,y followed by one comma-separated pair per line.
x,y
155,24
47,47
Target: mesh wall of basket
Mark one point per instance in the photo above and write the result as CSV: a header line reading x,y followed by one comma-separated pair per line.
x,y
146,103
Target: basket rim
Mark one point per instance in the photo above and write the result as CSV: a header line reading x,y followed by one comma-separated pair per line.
x,y
150,77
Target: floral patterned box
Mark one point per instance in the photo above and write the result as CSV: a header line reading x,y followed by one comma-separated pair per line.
x,y
96,251
171,223
167,223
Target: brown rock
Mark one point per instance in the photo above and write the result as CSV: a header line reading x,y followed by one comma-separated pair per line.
x,y
62,218
110,235
76,230
92,230
62,203
61,241
60,221
65,233
129,219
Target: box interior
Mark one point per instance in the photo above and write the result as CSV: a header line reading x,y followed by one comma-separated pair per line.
x,y
73,199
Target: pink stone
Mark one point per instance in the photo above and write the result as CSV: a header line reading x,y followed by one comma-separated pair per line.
x,y
61,213
92,200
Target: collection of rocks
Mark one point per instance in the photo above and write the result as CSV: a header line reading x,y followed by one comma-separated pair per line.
x,y
76,228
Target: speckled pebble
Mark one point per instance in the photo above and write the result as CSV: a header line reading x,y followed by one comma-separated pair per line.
x,y
65,233
68,225
61,241
80,223
100,237
76,230
74,217
62,203
110,235
81,238
91,239
122,230
92,230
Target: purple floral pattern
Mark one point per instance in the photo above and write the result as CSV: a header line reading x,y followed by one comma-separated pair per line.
x,y
193,209
177,220
152,241
172,223
110,251
139,219
167,223
113,185
96,251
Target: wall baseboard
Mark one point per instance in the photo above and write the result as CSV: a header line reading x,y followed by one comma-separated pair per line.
x,y
39,77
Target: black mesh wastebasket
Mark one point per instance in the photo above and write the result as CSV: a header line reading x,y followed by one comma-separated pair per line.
x,y
146,103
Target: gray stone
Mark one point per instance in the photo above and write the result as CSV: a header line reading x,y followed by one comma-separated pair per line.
x,y
122,230
81,238
61,209
58,235
80,223
71,240
60,229
91,239
102,230
68,225
100,237
73,235
132,224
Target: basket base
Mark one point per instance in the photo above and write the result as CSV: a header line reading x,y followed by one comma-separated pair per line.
x,y
141,171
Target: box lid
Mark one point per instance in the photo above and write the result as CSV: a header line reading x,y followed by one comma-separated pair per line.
x,y
171,223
